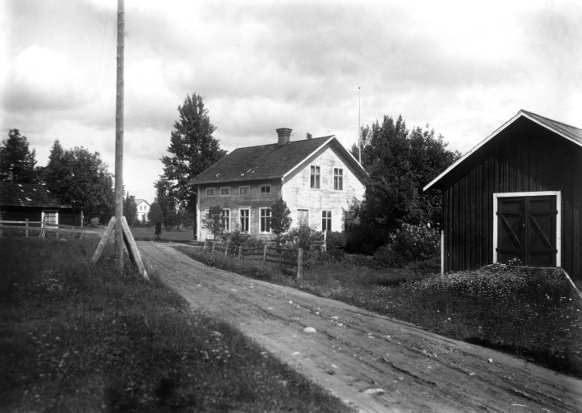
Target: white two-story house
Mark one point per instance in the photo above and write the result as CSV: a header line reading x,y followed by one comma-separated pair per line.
x,y
317,178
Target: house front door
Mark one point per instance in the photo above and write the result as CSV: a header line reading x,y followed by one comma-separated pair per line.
x,y
526,229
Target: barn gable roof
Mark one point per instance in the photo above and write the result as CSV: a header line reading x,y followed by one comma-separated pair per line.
x,y
571,133
272,161
27,195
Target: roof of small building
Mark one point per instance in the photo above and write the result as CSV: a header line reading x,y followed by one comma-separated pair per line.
x,y
140,201
27,195
571,133
272,161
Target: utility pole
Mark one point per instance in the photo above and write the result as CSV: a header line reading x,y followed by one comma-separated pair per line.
x,y
119,137
359,130
118,226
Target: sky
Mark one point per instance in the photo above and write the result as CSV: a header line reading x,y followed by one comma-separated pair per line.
x,y
462,68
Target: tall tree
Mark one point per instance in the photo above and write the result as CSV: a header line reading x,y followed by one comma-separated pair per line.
x,y
400,162
16,160
192,149
80,178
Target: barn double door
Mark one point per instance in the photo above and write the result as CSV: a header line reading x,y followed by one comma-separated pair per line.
x,y
526,228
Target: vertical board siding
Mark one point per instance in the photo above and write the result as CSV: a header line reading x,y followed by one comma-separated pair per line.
x,y
523,158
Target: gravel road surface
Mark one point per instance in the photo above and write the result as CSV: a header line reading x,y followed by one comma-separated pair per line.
x,y
371,362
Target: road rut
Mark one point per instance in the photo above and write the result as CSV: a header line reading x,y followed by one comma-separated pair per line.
x,y
371,362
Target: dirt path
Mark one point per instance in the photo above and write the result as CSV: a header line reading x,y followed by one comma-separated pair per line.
x,y
354,353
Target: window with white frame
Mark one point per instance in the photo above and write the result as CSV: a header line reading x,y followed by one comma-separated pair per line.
x,y
265,189
325,221
338,179
244,219
225,191
209,191
226,220
50,217
265,214
244,190
315,177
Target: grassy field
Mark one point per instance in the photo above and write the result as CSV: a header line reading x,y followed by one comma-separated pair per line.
x,y
78,338
533,315
148,234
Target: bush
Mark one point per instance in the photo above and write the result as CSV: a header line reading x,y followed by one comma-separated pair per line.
x,y
410,243
302,236
335,240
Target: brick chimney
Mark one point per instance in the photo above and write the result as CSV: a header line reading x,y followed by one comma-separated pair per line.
x,y
284,135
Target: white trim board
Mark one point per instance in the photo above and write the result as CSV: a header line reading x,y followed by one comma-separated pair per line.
x,y
557,194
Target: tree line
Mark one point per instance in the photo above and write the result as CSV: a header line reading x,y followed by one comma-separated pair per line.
x,y
399,162
75,177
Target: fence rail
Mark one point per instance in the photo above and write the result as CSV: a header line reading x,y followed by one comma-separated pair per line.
x,y
284,257
41,229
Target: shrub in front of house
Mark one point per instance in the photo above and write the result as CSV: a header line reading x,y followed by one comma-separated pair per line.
x,y
409,244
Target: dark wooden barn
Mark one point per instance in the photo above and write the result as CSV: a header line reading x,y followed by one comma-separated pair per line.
x,y
19,202
517,194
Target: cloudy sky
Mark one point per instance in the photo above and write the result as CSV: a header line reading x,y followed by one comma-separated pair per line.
x,y
462,67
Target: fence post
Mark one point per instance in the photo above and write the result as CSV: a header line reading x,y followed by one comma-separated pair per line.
x,y
213,246
265,252
26,230
226,249
299,263
58,231
239,252
205,244
280,260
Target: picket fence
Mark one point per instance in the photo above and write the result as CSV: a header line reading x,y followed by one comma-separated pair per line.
x,y
283,257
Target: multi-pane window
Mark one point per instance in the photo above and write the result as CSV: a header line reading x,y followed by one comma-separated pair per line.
x,y
225,191
209,191
315,177
244,190
325,221
50,217
244,217
265,189
338,179
265,219
226,220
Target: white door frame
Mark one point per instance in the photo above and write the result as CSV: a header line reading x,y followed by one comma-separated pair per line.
x,y
557,194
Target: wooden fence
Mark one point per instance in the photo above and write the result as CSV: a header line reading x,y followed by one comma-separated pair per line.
x,y
284,257
41,229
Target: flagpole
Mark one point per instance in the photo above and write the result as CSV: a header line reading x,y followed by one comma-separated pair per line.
x,y
359,130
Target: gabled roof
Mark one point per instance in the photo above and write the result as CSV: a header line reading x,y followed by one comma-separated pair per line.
x,y
139,201
270,161
571,133
27,195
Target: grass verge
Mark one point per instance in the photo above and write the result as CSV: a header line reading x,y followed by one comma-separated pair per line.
x,y
76,337
524,312
148,234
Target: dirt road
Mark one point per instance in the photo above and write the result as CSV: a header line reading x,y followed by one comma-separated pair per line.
x,y
371,362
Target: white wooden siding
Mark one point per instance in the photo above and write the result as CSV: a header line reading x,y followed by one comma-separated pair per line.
x,y
298,194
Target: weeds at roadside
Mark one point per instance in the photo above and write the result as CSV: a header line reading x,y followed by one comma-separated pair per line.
x,y
525,312
76,337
